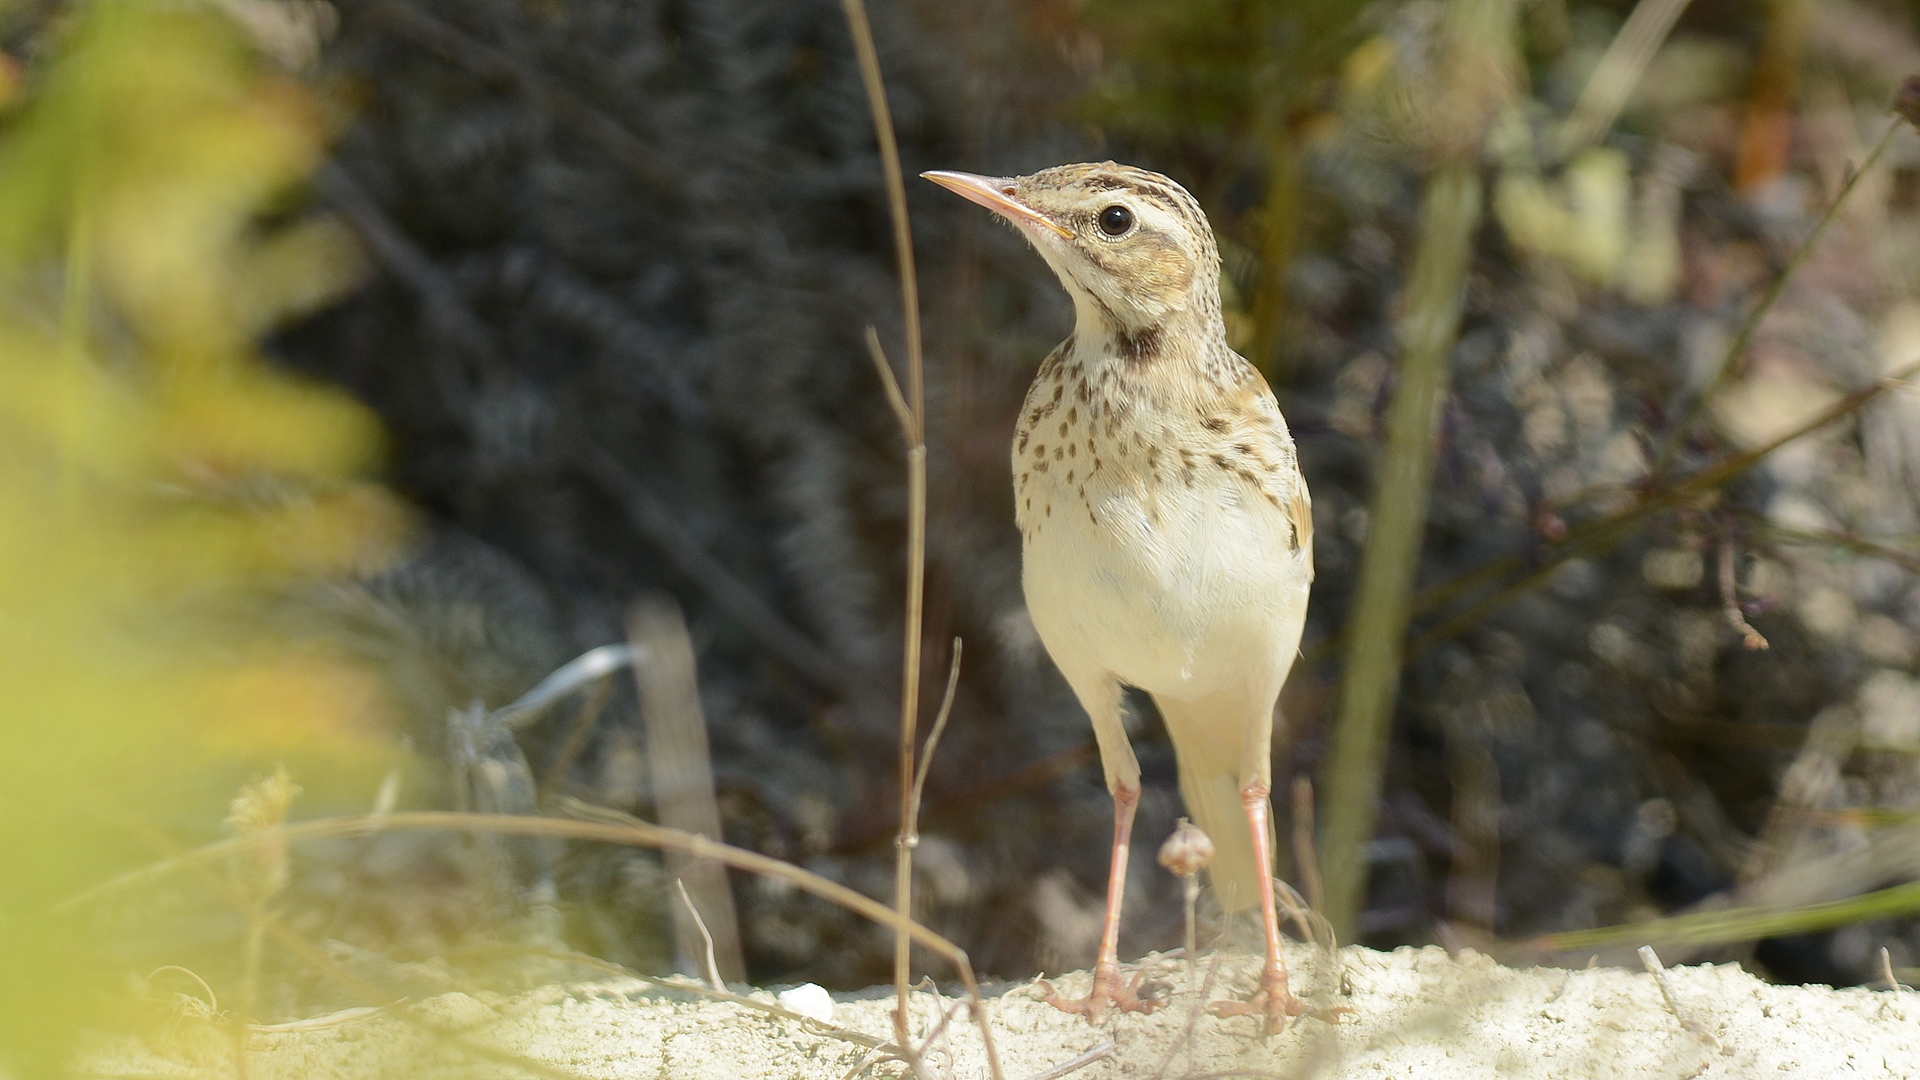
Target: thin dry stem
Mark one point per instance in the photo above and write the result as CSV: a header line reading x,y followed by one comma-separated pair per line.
x,y
1730,600
884,366
916,402
577,737
1886,971
933,738
1670,445
1289,900
1651,961
713,967
1104,1050
213,1000
605,826
1193,1020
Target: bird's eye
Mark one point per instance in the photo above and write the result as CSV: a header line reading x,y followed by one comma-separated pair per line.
x,y
1115,220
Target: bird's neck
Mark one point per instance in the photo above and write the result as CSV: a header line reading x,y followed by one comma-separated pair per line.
x,y
1106,334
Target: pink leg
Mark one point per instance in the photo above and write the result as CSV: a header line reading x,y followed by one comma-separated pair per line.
x,y
1273,999
1107,988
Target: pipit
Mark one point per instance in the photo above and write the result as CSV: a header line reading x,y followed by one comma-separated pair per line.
x,y
1167,535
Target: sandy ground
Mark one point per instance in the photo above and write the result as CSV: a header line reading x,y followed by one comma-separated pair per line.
x,y
1409,1013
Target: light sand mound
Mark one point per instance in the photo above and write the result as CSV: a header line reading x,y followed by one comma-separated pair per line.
x,y
1409,1013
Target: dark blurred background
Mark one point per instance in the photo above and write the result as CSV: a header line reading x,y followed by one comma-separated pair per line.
x,y
623,253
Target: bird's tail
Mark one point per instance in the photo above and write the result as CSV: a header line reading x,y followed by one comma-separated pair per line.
x,y
1210,778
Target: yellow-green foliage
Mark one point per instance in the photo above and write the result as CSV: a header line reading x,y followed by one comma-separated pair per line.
x,y
154,474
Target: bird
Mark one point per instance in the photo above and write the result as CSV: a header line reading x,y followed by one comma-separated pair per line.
x,y
1166,529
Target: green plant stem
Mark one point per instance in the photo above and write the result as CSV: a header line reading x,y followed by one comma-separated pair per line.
x,y
1731,925
1751,324
1280,236
1449,213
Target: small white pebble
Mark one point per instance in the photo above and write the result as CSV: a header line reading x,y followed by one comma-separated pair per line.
x,y
810,1000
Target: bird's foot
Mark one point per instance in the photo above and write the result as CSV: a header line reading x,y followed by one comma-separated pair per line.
x,y
1107,990
1273,1001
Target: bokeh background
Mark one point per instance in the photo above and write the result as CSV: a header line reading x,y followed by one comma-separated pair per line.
x,y
364,361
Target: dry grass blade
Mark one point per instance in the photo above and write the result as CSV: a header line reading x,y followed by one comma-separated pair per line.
x,y
713,969
600,825
1098,1053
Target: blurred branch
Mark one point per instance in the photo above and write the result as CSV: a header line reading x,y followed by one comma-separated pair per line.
x,y
1766,133
1618,73
681,765
1730,598
615,138
447,309
1677,434
652,519
1449,214
1280,235
1602,533
1859,545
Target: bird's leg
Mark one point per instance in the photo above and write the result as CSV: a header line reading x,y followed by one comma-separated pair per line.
x,y
1273,999
1107,987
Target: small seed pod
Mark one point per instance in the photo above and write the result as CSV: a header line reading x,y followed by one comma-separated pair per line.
x,y
1187,851
1906,101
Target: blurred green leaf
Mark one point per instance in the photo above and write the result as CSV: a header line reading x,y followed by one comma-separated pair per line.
x,y
154,473
1743,923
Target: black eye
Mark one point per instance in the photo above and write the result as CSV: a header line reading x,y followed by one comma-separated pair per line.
x,y
1115,220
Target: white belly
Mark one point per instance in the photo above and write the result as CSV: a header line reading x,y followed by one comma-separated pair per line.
x,y
1183,593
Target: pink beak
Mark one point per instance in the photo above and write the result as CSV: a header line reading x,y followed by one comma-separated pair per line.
x,y
996,194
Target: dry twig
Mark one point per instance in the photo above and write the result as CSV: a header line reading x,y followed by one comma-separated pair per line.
x,y
713,969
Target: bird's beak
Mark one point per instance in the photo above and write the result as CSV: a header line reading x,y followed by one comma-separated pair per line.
x,y
996,194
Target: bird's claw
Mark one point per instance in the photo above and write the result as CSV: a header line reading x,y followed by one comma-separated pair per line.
x,y
1273,1002
1107,990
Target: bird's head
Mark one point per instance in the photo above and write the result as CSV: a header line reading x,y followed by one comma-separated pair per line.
x,y
1131,246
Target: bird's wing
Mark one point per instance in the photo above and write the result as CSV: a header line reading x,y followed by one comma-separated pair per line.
x,y
1257,438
